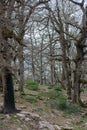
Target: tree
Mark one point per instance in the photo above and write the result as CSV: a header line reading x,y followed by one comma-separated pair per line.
x,y
6,33
9,44
63,24
80,45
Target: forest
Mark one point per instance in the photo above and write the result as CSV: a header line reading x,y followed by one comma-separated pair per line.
x,y
43,65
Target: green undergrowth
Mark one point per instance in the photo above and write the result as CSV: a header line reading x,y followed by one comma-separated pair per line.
x,y
58,87
78,128
58,100
31,85
31,99
54,97
73,109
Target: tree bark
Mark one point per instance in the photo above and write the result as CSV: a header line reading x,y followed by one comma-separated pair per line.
x,y
21,69
9,103
65,66
77,73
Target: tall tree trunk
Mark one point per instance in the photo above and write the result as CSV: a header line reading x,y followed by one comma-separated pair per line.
x,y
52,63
76,93
41,63
21,70
9,103
65,66
77,73
33,66
52,72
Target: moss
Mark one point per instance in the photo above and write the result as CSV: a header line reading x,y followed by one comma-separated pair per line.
x,y
31,99
32,85
58,87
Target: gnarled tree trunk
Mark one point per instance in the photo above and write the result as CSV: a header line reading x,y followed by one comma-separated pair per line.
x,y
9,103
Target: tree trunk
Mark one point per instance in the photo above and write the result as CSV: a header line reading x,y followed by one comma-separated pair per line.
x,y
66,67
52,63
33,67
21,70
9,103
41,70
77,74
76,94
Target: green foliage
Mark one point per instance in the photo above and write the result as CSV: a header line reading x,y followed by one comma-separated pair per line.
x,y
57,100
78,128
42,95
62,101
32,85
62,104
31,99
52,94
73,108
58,87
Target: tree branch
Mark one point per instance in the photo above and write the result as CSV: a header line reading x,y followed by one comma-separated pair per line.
x,y
81,4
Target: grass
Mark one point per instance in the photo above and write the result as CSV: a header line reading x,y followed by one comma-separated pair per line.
x,y
73,109
32,85
57,100
43,102
2,125
31,99
58,87
78,128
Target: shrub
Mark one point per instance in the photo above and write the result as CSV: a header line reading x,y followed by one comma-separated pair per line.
x,y
50,87
62,104
52,94
58,87
31,99
62,101
57,100
32,85
42,95
73,108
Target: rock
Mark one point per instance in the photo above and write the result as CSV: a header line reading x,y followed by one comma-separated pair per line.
x,y
34,116
15,116
67,128
22,107
19,128
8,116
25,112
84,125
68,123
43,125
27,119
20,115
2,117
57,127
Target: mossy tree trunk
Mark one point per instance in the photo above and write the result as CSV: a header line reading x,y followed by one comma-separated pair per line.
x,y
8,90
21,70
78,70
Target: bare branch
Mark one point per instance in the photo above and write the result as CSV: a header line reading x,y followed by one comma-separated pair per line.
x,y
32,8
81,4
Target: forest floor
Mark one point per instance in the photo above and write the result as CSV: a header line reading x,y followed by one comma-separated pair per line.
x,y
42,110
